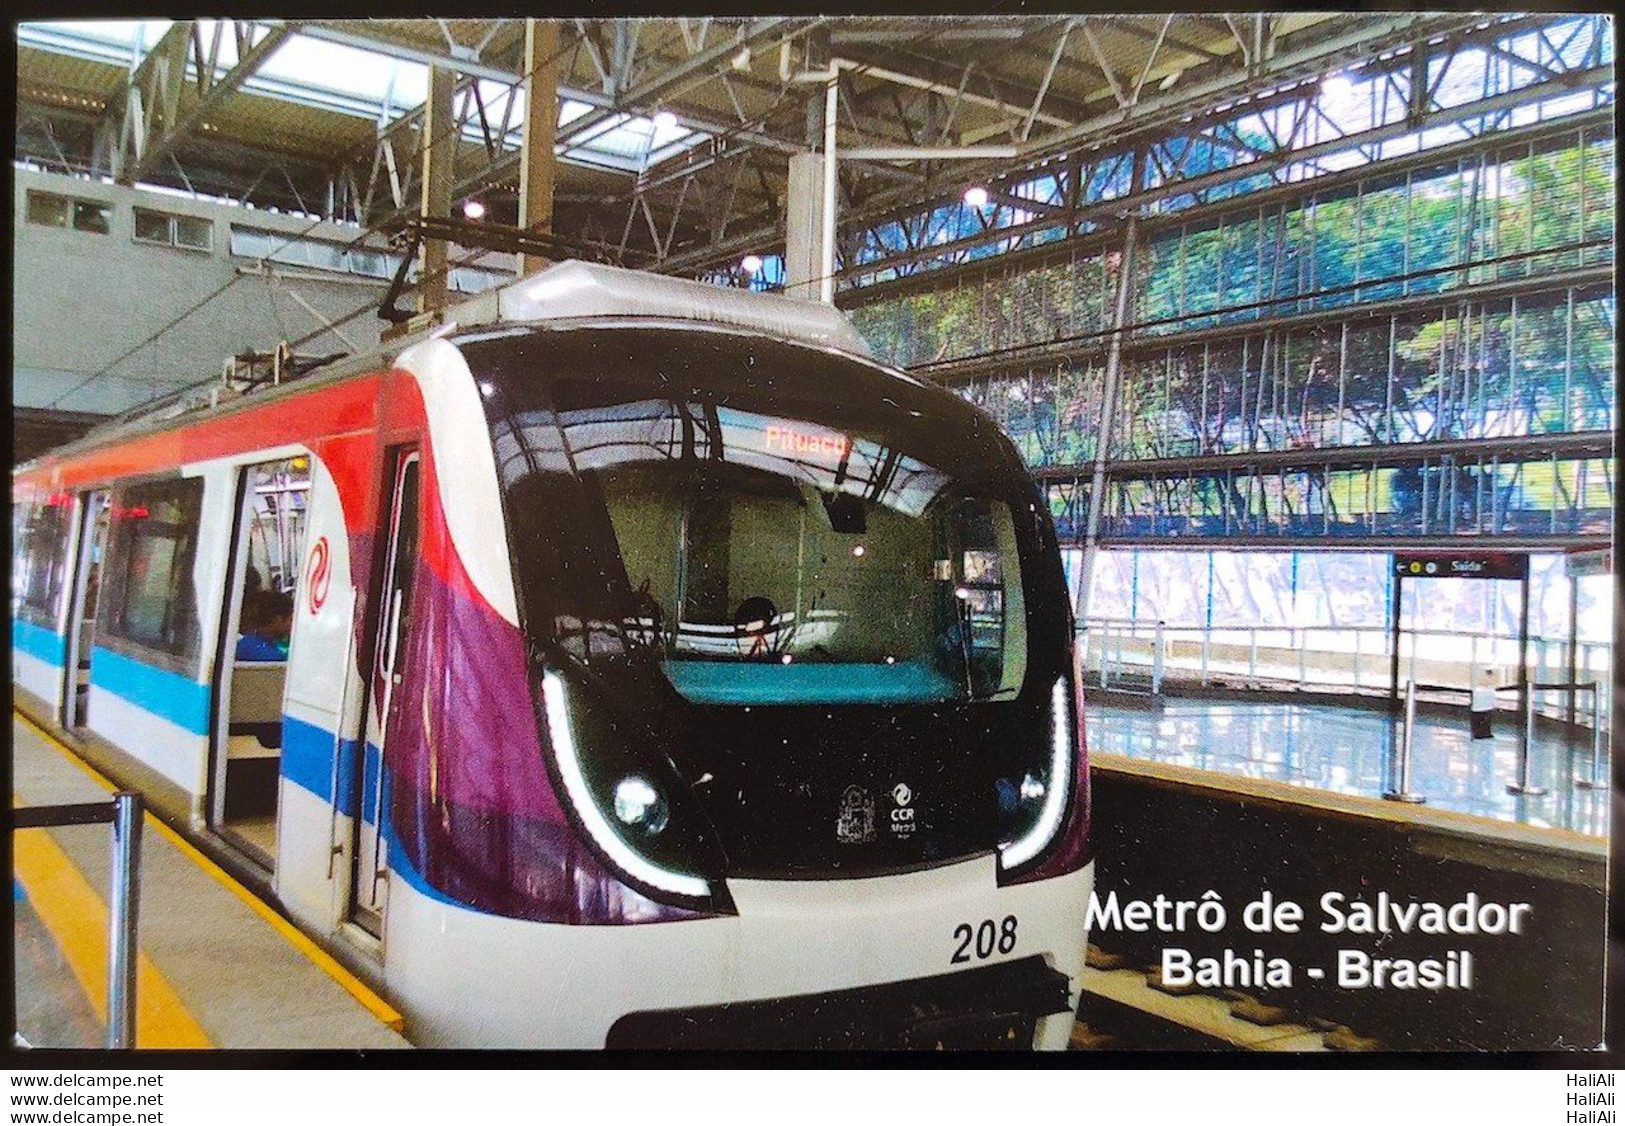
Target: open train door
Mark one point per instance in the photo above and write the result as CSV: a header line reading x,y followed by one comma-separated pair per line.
x,y
251,668
369,858
92,532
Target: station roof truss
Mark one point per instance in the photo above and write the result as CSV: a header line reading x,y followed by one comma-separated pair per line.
x,y
673,133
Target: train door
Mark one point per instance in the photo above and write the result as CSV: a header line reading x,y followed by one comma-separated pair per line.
x,y
252,659
82,609
369,865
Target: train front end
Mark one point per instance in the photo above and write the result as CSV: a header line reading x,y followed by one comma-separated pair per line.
x,y
798,649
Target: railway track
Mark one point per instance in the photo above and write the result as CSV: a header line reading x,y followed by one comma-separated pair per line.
x,y
1127,1008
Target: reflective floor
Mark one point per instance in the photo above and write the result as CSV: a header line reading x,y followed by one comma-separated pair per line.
x,y
52,1012
1345,750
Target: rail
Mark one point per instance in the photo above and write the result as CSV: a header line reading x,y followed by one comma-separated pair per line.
x,y
1121,652
1133,656
124,812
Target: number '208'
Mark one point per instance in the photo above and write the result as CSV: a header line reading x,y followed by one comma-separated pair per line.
x,y
979,942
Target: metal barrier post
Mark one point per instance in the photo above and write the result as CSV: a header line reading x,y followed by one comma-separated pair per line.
x,y
124,812
1252,657
124,909
1401,771
1303,658
1207,639
1526,746
1156,660
1598,780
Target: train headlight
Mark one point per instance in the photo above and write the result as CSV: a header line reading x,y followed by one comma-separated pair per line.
x,y
639,805
1052,793
604,834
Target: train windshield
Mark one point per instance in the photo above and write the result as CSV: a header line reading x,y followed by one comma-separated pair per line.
x,y
777,560
759,522
792,577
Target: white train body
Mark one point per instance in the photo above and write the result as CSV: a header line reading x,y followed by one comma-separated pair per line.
x,y
661,672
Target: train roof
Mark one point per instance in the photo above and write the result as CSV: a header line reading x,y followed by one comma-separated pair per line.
x,y
575,290
571,291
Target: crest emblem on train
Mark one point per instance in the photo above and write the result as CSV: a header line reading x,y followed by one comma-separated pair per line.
x,y
855,824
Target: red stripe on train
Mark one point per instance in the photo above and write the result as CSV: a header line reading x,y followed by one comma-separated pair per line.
x,y
347,425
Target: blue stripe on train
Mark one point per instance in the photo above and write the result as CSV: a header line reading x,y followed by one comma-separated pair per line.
x,y
169,695
307,761
38,641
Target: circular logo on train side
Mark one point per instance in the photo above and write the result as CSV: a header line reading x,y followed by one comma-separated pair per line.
x,y
320,572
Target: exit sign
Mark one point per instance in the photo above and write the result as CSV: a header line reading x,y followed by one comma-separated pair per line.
x,y
1462,565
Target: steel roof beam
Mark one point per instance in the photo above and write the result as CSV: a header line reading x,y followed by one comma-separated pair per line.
x,y
1178,44
1268,163
463,62
862,67
127,119
598,99
215,90
909,35
665,83
1365,39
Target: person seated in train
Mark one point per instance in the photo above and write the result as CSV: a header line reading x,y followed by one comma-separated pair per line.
x,y
753,625
267,626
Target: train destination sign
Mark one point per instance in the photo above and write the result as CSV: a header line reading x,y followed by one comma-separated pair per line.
x,y
1449,565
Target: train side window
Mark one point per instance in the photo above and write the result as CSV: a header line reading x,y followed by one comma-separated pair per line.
x,y
41,548
149,598
278,493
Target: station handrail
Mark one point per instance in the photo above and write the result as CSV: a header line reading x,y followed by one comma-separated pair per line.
x,y
125,813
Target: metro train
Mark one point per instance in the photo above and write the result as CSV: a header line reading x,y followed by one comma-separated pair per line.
x,y
662,671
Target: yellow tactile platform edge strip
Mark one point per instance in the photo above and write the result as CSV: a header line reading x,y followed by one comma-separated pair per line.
x,y
77,918
374,1004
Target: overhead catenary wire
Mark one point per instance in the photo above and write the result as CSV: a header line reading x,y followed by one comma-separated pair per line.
x,y
292,345
366,231
369,230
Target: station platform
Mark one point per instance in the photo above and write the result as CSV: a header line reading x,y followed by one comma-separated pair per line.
x,y
1344,750
218,967
1171,828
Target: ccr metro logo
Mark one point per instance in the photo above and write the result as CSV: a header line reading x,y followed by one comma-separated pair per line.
x,y
902,817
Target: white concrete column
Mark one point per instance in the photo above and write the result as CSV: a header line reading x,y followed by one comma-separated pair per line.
x,y
804,226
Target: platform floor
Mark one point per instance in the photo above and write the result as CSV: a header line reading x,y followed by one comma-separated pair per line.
x,y
1345,750
214,971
